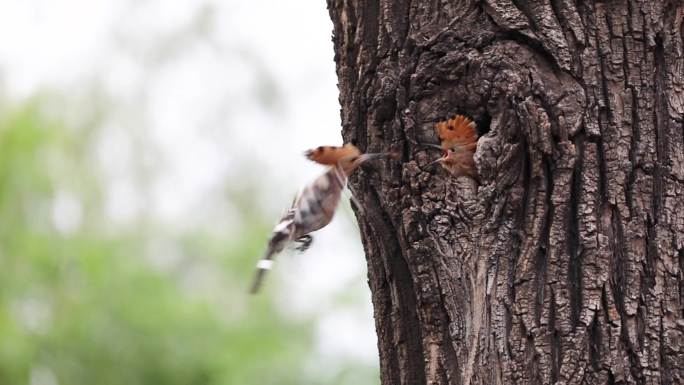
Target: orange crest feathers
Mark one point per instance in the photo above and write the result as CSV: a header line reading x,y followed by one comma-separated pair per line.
x,y
457,132
332,155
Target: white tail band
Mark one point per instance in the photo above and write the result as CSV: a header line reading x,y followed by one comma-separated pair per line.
x,y
265,264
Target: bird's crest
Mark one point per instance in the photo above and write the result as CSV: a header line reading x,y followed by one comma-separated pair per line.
x,y
332,155
458,132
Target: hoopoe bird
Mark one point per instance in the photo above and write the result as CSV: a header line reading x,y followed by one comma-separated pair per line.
x,y
314,206
458,138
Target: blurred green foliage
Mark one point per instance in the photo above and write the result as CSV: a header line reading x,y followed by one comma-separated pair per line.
x,y
90,305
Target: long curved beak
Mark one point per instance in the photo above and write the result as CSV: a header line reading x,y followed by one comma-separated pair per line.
x,y
431,145
435,146
368,157
377,155
434,162
372,156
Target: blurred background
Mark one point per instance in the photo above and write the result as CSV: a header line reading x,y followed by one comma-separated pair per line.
x,y
146,150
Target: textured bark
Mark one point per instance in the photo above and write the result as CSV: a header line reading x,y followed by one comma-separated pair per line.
x,y
563,263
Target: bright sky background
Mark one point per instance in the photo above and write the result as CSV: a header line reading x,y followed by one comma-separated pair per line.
x,y
195,91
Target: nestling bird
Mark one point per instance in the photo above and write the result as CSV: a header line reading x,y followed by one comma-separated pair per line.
x,y
315,205
458,144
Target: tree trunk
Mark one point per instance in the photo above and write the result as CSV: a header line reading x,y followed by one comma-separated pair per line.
x,y
563,262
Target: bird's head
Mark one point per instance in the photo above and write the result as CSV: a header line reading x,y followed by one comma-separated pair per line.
x,y
348,157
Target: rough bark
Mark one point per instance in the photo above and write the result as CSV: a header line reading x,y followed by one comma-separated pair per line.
x,y
563,263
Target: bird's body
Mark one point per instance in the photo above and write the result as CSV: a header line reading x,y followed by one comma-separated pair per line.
x,y
315,206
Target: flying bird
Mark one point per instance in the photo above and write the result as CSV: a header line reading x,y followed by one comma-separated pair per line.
x,y
314,206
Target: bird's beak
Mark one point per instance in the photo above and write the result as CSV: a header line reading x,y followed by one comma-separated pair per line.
x,y
375,155
431,145
445,155
435,161
352,165
435,146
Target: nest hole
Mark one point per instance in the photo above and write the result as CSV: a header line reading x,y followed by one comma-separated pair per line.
x,y
483,123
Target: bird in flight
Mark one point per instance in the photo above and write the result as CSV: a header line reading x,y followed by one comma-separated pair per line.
x,y
314,206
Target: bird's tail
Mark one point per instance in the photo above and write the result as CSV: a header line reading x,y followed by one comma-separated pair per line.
x,y
263,266
282,234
